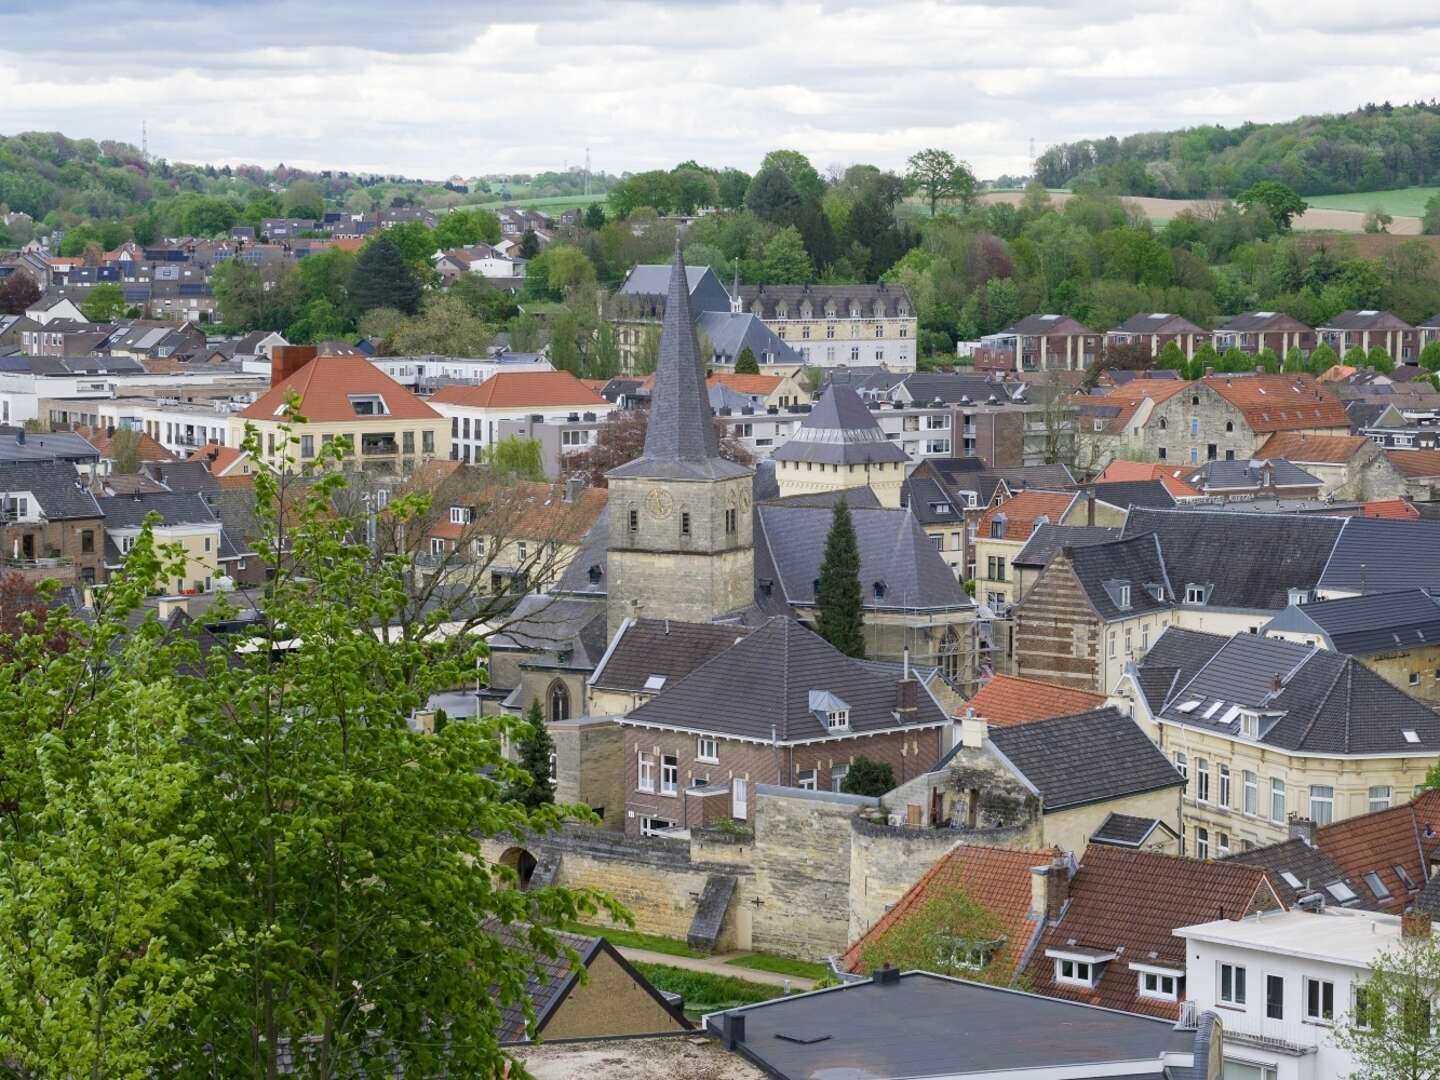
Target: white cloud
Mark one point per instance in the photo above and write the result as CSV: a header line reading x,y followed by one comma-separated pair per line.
x,y
435,87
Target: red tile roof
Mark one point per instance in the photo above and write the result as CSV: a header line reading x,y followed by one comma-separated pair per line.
x,y
218,459
1416,462
1401,509
521,511
1119,471
523,389
746,384
1134,901
1022,510
996,878
1377,843
1305,449
1131,396
1281,402
147,449
1006,700
325,385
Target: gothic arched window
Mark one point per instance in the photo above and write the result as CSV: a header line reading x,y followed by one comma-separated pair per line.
x,y
558,702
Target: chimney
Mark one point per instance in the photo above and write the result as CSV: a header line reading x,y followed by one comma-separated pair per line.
x,y
1414,925
1090,505
1049,890
573,487
973,730
732,1029
285,360
907,695
1302,828
1277,684
885,975
169,605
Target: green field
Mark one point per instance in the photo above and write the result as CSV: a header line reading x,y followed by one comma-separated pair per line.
x,y
1403,202
781,965
548,202
704,992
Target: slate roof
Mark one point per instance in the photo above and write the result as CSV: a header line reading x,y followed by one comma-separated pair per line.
x,y
1135,900
927,498
1128,830
1128,493
56,486
1359,625
654,279
174,508
1007,700
1047,540
1252,560
17,446
1175,658
730,333
680,440
1262,320
1327,702
894,299
555,625
1103,569
1309,866
840,430
1240,475
998,879
1383,554
927,387
894,552
759,689
645,649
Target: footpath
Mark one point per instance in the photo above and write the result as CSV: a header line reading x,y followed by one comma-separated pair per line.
x,y
716,965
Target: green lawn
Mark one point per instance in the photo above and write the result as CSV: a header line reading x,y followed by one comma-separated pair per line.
x,y
781,965
633,939
547,202
1404,202
706,993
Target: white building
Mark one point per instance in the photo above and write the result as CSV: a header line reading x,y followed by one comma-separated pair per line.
x,y
476,412
1281,981
424,373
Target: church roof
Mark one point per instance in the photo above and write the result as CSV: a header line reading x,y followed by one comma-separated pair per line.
x,y
680,441
840,430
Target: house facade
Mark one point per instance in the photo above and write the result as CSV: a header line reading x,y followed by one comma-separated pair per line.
x,y
477,413
1156,330
833,325
1040,343
1369,329
1257,331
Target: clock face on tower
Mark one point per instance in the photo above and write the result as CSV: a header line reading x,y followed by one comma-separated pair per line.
x,y
659,504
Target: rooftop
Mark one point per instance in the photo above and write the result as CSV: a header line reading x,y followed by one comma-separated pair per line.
x,y
1007,700
1334,935
1018,516
840,430
1289,402
337,389
521,390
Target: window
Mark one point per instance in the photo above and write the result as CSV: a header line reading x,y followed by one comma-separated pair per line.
x,y
1322,804
837,777
1155,985
1252,794
645,771
995,567
730,522
307,446
634,521
1144,637
126,543
1379,798
522,551
559,702
1123,599
1112,644
1194,594
1414,678
1194,455
407,442
685,523
805,778
1277,799
87,541
1274,997
1319,1001
437,546
1222,845
427,441
1074,972
1202,842
1194,425
1376,886
1182,766
669,774
1129,645
707,749
574,438
462,515
1202,780
651,826
1224,775
1366,1011
837,718
1232,984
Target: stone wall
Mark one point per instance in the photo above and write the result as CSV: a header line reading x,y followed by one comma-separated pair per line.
x,y
589,766
885,861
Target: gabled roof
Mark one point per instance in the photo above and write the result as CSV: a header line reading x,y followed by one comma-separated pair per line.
x,y
731,333
55,485
1047,324
1128,493
1395,509
1086,758
521,390
1306,449
1007,700
555,626
760,688
1175,658
1262,320
742,383
1022,513
1117,405
326,385
1310,867
1047,540
840,430
1245,475
927,498
1365,320
653,279
1106,571
1287,402
1404,836
647,655
998,879
1134,901
1383,554
1359,625
174,508
1129,831
1172,476
1157,323
1415,462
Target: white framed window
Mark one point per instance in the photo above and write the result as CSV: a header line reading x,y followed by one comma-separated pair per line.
x,y
651,826
477,547
1182,766
837,777
1158,987
644,771
805,778
1379,798
1144,637
1232,984
1128,642
1223,773
1322,804
1112,644
1222,844
1252,792
707,750
1074,973
437,545
522,551
126,543
1194,594
1202,780
837,719
1277,799
1319,1001
669,774
574,438
462,515
1202,842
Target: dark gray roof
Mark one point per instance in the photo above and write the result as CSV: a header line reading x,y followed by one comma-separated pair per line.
x,y
1158,323
1310,866
1326,703
1384,555
893,299
1243,475
931,1025
174,508
894,552
182,475
647,649
840,430
924,387
1105,570
1127,830
731,333
1046,540
856,498
570,630
587,571
1359,625
706,293
1251,560
760,688
17,445
1174,660
1365,320
680,440
1262,320
1086,758
56,486
927,499
1047,324
972,474
1128,493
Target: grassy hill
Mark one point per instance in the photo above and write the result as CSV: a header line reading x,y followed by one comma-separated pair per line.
x,y
1406,202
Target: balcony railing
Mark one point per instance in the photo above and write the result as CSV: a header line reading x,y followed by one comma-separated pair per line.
x,y
1253,1029
51,563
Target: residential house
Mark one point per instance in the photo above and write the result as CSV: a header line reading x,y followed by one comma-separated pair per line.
x,y
50,523
638,305
1265,729
52,308
839,446
764,390
1257,331
830,325
1045,543
1255,478
943,519
475,412
783,707
1003,531
1348,466
1421,470
647,655
1172,476
1006,700
184,518
388,427
1396,635
1368,329
1040,343
1156,330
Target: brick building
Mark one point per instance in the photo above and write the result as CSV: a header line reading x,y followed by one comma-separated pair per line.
x,y
1257,331
1369,328
50,524
1156,330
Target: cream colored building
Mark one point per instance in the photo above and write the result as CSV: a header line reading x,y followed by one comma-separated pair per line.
x,y
840,446
185,520
838,325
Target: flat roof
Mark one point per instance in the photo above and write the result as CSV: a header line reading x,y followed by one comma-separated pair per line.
x,y
927,1025
1338,935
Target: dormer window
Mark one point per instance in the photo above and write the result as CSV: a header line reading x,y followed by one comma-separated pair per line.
x,y
878,588
1156,591
836,719
1157,984
831,710
1077,966
1195,594
1299,596
462,515
1074,973
368,405
997,527
1249,724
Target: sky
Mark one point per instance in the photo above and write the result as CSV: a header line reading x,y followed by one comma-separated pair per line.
x,y
435,88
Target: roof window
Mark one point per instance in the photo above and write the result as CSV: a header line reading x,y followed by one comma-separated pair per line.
x,y
1377,886
368,405
1341,892
1410,736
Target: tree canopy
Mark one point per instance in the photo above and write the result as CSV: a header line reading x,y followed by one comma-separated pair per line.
x,y
840,618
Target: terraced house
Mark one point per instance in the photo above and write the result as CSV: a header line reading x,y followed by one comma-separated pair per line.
x,y
833,325
1156,330
1369,329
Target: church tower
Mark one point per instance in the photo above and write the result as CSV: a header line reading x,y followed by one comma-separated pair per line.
x,y
680,529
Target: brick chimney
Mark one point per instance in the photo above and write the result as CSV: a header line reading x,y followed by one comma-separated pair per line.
x,y
1049,889
1302,828
285,360
1414,925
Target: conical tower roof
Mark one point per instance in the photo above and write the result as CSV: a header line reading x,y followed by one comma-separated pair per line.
x,y
680,441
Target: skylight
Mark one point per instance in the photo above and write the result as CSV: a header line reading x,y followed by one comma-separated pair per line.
x,y
1230,714
1340,891
654,682
1410,735
1290,879
1377,886
1213,709
1189,706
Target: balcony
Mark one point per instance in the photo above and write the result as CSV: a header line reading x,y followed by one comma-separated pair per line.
x,y
1252,1029
379,445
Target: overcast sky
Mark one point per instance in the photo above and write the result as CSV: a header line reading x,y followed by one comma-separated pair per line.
x,y
440,87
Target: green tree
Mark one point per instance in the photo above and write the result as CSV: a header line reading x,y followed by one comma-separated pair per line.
x,y
1206,358
379,323
1322,359
1294,360
869,777
949,933
808,184
566,269
529,244
595,216
941,178
208,217
461,228
840,618
382,278
1171,358
1430,222
326,276
786,261
1380,360
415,242
746,364
1430,357
1274,201
648,355
771,196
535,749
444,327
1390,1032
1267,359
1377,220
320,320
730,187
605,363
125,451
304,199
1356,357
103,302
1234,361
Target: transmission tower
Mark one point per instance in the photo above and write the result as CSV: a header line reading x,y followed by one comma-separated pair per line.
x,y
144,142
